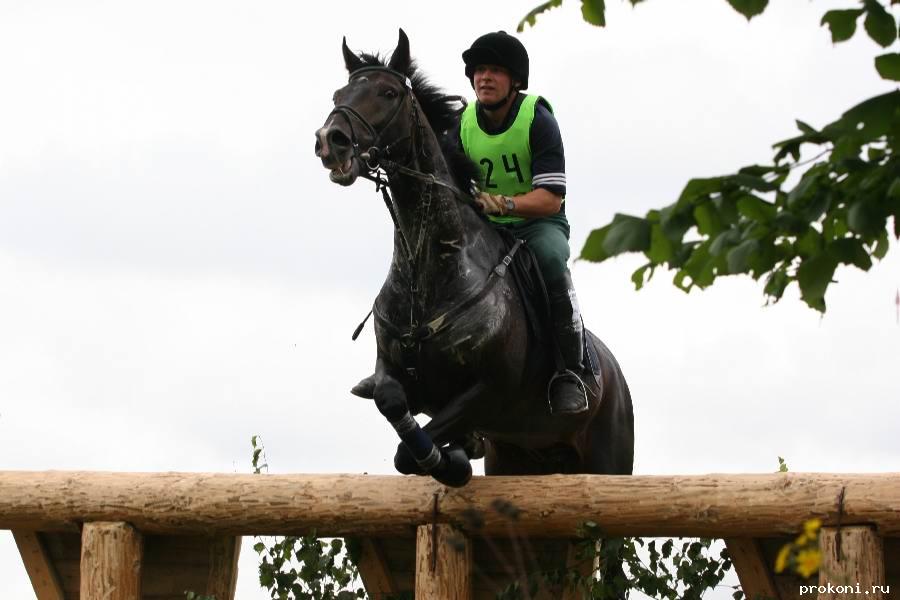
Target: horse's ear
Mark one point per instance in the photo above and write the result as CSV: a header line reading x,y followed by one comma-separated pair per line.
x,y
400,57
351,60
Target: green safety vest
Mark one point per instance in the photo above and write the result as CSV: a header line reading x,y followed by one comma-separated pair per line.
x,y
505,158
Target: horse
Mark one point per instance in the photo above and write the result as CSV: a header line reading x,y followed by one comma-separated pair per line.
x,y
453,338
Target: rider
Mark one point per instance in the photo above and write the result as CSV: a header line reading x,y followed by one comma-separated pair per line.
x,y
515,140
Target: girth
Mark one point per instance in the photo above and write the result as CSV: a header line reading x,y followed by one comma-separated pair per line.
x,y
411,338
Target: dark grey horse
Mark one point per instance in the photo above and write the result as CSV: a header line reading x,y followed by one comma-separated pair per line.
x,y
453,337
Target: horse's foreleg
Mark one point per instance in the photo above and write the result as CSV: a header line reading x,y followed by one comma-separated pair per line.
x,y
454,421
449,466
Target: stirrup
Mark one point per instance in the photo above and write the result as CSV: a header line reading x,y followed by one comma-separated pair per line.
x,y
567,374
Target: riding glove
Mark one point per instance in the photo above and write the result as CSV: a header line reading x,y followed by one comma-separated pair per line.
x,y
493,204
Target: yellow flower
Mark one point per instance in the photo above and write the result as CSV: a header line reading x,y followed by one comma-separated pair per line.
x,y
801,540
808,562
781,561
811,527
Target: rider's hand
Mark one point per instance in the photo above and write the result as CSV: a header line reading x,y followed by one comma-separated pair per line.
x,y
492,204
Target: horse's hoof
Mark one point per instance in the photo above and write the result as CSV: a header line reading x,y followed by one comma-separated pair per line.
x,y
405,463
474,447
455,469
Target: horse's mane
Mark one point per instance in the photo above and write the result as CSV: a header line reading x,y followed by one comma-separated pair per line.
x,y
443,117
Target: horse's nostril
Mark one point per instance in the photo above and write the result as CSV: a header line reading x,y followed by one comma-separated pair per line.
x,y
338,139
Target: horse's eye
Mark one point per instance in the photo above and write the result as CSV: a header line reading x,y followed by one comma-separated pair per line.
x,y
389,93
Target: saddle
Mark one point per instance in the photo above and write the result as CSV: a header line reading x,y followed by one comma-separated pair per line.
x,y
529,283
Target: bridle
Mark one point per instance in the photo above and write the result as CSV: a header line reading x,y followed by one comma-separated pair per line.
x,y
380,165
379,168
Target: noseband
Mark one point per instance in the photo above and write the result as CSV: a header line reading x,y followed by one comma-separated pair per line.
x,y
375,155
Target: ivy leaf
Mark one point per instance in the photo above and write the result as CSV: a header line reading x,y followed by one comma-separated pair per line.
x,y
749,8
594,12
842,23
880,25
531,17
888,66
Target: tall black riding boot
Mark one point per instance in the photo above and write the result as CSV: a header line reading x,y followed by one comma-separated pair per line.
x,y
566,391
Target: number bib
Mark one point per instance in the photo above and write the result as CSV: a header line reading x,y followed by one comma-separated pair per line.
x,y
505,158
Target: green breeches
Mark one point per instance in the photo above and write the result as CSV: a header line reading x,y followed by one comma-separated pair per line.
x,y
548,238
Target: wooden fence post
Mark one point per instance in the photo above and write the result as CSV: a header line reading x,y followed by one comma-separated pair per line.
x,y
443,564
111,556
855,564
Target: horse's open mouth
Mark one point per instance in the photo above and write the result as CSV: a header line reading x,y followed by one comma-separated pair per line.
x,y
347,173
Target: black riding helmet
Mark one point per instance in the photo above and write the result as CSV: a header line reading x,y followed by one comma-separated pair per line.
x,y
498,48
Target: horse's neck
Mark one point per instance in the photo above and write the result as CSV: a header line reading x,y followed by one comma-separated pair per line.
x,y
457,248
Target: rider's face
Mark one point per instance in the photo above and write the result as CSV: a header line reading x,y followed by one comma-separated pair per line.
x,y
492,83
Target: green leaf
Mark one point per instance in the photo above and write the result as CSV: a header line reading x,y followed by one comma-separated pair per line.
x,y
753,182
756,208
696,188
661,247
894,189
876,116
259,547
865,218
638,276
850,251
842,23
806,129
724,240
880,25
627,234
707,218
814,275
776,284
593,246
739,257
531,17
888,66
749,8
882,243
594,12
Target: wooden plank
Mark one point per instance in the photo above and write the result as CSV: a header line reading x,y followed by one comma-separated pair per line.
x,y
443,564
550,506
753,572
224,552
852,567
43,576
111,556
374,571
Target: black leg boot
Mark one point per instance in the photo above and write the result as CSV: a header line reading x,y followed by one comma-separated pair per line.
x,y
365,388
566,391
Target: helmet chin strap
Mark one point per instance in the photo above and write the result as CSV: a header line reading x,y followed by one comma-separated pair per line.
x,y
500,103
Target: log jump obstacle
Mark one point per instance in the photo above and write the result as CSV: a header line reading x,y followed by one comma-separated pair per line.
x,y
112,512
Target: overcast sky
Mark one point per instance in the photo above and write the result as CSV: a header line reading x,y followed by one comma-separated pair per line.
x,y
177,273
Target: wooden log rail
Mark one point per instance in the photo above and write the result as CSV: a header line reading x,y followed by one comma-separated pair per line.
x,y
373,505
